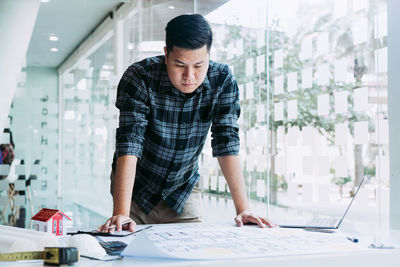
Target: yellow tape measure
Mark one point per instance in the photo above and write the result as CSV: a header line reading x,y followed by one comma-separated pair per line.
x,y
50,255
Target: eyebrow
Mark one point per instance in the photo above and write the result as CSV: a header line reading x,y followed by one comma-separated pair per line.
x,y
181,62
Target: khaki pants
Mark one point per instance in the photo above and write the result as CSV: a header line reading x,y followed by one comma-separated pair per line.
x,y
162,213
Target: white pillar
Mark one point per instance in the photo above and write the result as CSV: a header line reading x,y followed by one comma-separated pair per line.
x,y
393,42
17,19
118,45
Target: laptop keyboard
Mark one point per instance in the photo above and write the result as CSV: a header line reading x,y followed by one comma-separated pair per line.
x,y
323,222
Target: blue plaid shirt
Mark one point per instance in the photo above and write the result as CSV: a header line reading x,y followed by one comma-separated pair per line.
x,y
167,129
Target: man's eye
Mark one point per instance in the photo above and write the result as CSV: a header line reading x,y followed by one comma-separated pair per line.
x,y
180,66
198,67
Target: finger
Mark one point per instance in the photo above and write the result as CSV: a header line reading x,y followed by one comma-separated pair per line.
x,y
132,226
269,223
238,220
253,219
118,225
105,226
259,222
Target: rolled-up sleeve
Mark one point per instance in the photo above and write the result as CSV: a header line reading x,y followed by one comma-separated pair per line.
x,y
132,102
225,129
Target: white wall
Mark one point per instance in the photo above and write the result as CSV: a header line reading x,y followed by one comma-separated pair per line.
x,y
17,19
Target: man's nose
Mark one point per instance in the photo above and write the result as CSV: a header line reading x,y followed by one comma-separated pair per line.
x,y
188,73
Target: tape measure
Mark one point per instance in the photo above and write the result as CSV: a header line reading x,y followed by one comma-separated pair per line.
x,y
50,255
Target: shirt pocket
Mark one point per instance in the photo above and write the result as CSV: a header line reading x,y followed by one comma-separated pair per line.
x,y
202,121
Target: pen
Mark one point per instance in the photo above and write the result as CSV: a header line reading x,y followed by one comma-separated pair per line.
x,y
123,222
145,228
353,239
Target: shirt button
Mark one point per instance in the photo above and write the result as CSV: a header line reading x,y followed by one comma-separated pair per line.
x,y
181,146
183,124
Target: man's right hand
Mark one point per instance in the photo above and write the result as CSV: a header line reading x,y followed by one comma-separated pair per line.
x,y
116,222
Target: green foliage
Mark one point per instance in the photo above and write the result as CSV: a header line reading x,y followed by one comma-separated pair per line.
x,y
340,181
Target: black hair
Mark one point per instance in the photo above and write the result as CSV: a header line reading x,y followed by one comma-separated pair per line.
x,y
189,31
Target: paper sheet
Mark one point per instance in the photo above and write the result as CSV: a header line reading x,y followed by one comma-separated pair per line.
x,y
306,78
341,70
260,64
278,85
293,136
323,194
361,99
323,166
292,81
323,74
260,38
249,90
204,242
241,92
292,109
381,60
341,168
341,102
278,59
323,105
261,113
341,133
306,48
308,165
278,111
361,132
382,132
249,67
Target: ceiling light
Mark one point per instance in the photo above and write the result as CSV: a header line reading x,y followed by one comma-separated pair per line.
x,y
171,7
44,1
54,49
53,38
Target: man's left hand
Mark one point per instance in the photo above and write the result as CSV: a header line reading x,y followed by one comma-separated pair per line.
x,y
248,217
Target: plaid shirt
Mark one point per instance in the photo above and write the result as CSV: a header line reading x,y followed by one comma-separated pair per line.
x,y
167,129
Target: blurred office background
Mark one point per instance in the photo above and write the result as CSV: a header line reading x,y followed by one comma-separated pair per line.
x,y
313,80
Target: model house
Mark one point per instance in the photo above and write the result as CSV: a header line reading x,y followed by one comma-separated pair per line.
x,y
51,221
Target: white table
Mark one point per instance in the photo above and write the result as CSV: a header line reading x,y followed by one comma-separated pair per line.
x,y
373,257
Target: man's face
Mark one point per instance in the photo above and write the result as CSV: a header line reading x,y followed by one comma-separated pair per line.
x,y
187,68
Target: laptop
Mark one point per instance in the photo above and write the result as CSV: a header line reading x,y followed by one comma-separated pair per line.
x,y
322,223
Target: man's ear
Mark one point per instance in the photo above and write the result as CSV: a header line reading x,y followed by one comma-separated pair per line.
x,y
166,54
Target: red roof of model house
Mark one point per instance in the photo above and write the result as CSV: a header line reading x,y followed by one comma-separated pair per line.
x,y
46,214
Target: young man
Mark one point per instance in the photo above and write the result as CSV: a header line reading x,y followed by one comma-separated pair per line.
x,y
167,105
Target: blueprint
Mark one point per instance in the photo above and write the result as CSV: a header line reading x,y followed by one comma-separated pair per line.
x,y
202,241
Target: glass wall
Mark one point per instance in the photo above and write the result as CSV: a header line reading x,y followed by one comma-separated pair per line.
x,y
313,95
239,33
328,107
89,122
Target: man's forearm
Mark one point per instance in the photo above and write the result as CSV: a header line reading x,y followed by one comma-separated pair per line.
x,y
232,170
123,184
